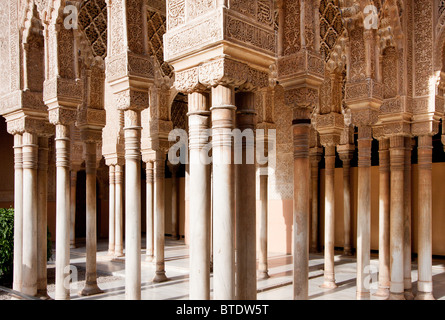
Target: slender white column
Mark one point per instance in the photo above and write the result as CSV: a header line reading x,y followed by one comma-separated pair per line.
x,y
91,287
364,211
174,212
30,199
223,106
329,234
111,210
149,220
397,217
384,216
62,210
42,218
314,163
73,184
18,213
199,189
246,287
132,205
119,231
425,263
263,272
346,157
407,222
300,246
159,217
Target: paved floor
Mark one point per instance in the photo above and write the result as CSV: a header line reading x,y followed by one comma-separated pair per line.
x,y
111,276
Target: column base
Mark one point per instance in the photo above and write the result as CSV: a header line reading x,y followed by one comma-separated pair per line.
x,y
382,293
118,254
409,295
160,277
425,296
263,275
73,246
329,284
149,258
43,295
347,252
363,295
110,252
396,296
90,290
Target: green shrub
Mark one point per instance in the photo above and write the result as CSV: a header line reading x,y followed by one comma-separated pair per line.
x,y
6,244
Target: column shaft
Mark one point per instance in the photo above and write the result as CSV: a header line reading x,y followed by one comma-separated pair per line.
x,y
384,217
62,211
263,272
223,188
112,211
18,212
159,217
301,131
347,207
30,199
132,205
407,221
73,185
149,203
199,200
397,216
91,287
174,211
425,282
42,218
364,211
119,218
246,287
329,236
314,203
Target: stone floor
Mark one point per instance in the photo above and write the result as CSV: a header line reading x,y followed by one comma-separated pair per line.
x,y
111,276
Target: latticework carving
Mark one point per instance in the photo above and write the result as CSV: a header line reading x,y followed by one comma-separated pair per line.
x,y
156,25
93,21
331,27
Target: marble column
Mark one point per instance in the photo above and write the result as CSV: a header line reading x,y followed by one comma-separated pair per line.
x,y
364,210
199,189
30,212
133,157
407,252
346,157
384,219
174,211
119,209
223,108
425,264
91,287
301,132
18,213
159,217
263,272
397,154
149,218
111,210
315,158
42,218
73,185
62,292
329,221
245,190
